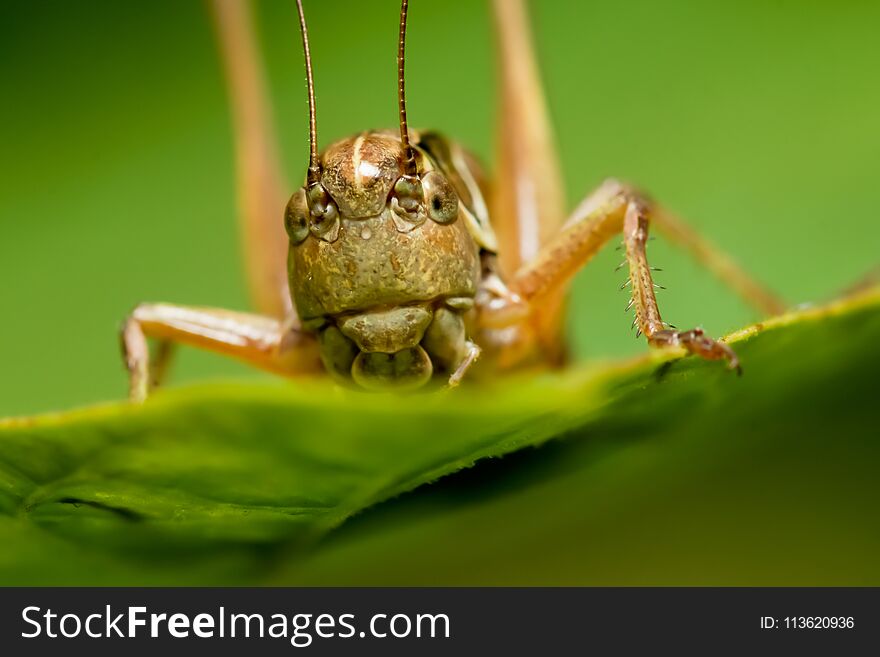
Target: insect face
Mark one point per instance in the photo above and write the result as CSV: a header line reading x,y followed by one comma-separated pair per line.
x,y
379,263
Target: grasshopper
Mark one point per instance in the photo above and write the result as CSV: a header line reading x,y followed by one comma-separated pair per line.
x,y
403,264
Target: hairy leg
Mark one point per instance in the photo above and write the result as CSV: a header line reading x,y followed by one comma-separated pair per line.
x,y
527,203
611,210
635,235
261,341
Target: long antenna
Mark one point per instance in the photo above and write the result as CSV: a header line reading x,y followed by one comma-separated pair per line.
x,y
409,161
314,168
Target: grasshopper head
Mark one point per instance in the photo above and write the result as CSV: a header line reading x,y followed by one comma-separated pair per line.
x,y
373,253
359,178
380,267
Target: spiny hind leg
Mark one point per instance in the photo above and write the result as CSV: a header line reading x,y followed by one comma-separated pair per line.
x,y
612,209
263,342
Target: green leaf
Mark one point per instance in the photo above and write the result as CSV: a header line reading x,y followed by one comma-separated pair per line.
x,y
669,470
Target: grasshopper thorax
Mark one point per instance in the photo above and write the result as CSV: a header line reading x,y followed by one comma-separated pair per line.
x,y
380,263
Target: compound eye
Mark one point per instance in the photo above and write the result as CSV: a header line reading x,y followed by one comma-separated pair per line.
x,y
296,217
323,213
441,201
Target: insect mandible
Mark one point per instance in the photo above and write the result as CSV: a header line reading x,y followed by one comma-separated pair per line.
x,y
404,266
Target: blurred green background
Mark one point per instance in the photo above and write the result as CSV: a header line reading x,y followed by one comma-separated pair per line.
x,y
755,120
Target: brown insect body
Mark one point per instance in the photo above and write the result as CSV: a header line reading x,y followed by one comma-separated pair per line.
x,y
392,268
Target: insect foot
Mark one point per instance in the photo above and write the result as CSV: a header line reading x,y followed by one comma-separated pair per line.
x,y
698,343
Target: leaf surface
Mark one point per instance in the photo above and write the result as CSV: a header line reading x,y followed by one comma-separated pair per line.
x,y
663,470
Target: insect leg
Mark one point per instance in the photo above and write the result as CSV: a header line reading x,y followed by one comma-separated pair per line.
x,y
161,362
635,235
446,342
473,354
527,203
611,209
264,342
260,178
